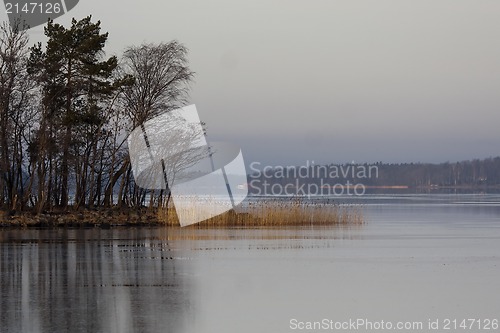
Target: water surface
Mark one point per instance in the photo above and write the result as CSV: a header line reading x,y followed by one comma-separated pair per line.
x,y
418,257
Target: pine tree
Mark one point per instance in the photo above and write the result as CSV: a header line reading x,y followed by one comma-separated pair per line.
x,y
75,80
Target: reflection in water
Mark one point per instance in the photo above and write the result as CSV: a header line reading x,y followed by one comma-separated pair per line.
x,y
328,232
410,261
90,281
126,280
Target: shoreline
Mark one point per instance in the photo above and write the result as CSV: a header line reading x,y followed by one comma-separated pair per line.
x,y
85,218
264,214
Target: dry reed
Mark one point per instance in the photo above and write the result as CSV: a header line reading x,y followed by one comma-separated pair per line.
x,y
275,213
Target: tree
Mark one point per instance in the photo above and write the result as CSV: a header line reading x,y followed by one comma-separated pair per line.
x,y
162,79
76,84
15,114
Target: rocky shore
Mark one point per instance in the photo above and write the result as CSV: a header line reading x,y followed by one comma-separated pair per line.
x,y
102,217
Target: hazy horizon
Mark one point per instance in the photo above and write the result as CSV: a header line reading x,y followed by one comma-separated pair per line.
x,y
330,81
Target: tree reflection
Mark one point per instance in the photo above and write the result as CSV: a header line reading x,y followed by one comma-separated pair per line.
x,y
91,281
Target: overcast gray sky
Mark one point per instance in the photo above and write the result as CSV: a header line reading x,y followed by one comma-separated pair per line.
x,y
329,80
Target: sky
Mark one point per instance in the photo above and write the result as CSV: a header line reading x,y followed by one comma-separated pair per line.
x,y
329,81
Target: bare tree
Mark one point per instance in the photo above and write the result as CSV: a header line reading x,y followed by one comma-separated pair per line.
x,y
162,78
15,114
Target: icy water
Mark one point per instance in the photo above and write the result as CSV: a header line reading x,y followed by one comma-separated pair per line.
x,y
423,262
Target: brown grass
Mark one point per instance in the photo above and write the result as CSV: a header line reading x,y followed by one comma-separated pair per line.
x,y
277,213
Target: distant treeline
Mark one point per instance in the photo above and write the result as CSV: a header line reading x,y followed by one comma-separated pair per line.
x,y
472,173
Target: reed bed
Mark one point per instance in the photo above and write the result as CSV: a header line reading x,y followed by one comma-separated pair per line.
x,y
276,213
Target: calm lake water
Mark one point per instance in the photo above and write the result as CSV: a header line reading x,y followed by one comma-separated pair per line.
x,y
417,258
